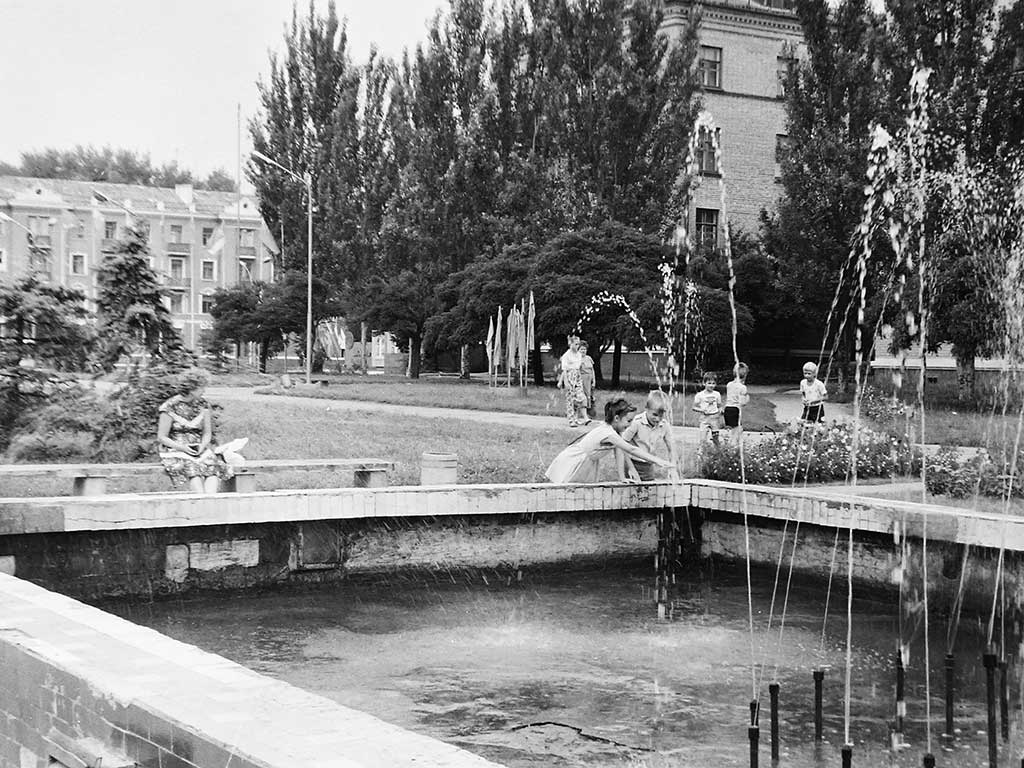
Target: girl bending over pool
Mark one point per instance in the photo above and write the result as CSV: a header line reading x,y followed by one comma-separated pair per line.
x,y
579,461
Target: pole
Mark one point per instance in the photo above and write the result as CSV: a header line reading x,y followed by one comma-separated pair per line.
x,y
819,677
847,753
929,760
1004,701
989,660
773,692
950,680
753,733
901,704
309,279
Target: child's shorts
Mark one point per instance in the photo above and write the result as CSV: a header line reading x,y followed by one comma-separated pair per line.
x,y
712,422
644,469
814,412
732,416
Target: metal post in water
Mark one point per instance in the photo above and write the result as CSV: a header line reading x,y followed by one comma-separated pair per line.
x,y
847,753
773,692
990,662
950,666
901,704
1004,701
753,733
929,760
819,678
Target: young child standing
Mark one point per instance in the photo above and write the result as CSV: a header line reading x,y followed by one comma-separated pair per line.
x,y
580,460
735,398
708,403
652,432
813,394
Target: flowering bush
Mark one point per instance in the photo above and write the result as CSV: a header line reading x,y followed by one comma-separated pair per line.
x,y
816,454
880,407
951,472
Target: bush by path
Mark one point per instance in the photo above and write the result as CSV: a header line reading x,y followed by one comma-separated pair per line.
x,y
953,473
815,455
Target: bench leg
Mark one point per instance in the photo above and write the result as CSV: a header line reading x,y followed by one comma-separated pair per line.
x,y
90,486
371,478
245,483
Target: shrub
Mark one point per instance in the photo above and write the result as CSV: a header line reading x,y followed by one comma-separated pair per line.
x,y
65,426
952,472
817,454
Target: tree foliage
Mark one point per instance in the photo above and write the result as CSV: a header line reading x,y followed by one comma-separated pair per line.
x,y
130,310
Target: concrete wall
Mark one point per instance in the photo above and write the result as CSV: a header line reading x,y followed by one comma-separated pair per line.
x,y
80,688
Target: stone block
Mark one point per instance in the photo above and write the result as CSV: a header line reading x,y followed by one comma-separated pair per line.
x,y
176,559
214,556
7,564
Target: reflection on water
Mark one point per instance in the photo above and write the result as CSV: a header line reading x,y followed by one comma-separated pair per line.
x,y
575,670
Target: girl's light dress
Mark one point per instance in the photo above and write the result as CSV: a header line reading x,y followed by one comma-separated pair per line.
x,y
578,462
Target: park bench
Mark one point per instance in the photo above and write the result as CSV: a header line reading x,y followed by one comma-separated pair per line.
x,y
91,479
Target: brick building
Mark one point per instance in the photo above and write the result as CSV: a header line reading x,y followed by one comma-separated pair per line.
x,y
746,48
199,241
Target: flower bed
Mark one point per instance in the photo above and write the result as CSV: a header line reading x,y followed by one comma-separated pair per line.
x,y
817,454
952,473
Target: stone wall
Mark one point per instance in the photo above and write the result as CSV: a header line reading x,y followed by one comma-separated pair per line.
x,y
80,688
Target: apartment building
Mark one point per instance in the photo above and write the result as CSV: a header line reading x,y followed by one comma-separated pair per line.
x,y
198,240
746,50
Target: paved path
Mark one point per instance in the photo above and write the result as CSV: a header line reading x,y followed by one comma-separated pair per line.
x,y
788,407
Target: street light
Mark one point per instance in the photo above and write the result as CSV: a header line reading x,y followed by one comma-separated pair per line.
x,y
308,181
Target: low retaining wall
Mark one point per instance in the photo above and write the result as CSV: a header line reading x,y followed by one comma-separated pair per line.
x,y
95,547
81,688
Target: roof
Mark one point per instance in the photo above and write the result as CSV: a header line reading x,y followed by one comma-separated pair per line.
x,y
141,198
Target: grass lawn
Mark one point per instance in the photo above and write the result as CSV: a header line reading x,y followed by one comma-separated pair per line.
x,y
278,429
477,396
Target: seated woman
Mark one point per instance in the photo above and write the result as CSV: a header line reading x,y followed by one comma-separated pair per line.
x,y
579,461
185,435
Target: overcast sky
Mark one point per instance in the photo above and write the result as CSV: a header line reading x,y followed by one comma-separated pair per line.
x,y
160,76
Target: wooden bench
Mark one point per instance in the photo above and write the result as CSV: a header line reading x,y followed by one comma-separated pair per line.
x,y
91,479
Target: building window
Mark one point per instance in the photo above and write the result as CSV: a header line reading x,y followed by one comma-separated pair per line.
x,y
177,303
209,270
710,67
247,238
780,5
110,230
246,270
783,67
175,235
177,269
207,304
781,147
707,227
77,264
706,164
207,235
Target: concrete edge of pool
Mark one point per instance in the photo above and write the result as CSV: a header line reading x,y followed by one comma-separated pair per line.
x,y
77,683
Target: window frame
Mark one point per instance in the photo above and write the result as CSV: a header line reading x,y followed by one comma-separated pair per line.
x,y
180,228
700,227
109,230
706,150
246,234
206,235
203,299
213,271
178,298
71,263
172,262
705,71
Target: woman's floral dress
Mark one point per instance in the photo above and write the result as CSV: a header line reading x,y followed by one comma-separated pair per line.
x,y
187,423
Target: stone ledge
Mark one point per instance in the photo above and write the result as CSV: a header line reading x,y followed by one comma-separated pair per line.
x,y
144,692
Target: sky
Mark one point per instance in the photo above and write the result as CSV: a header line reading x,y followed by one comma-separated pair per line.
x,y
163,77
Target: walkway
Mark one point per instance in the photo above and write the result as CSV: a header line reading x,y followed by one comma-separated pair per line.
x,y
788,407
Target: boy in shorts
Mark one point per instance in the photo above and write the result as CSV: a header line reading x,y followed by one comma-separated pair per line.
x,y
813,394
735,398
708,403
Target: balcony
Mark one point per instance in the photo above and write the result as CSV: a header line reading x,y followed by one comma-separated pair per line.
x,y
183,248
247,250
178,283
108,244
42,241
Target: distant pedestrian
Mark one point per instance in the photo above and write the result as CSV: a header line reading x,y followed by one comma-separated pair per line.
x,y
588,379
708,403
579,461
813,394
652,432
570,378
735,398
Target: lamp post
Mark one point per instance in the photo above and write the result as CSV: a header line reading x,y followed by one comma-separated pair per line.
x,y
307,180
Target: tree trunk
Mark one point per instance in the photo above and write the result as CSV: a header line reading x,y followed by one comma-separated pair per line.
x,y
264,354
538,364
464,361
616,363
964,377
413,369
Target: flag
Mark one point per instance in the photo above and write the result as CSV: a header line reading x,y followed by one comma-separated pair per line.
x,y
489,346
497,344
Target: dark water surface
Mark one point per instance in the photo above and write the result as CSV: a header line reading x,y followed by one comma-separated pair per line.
x,y
574,669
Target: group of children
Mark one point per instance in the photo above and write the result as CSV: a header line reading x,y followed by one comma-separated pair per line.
x,y
643,443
